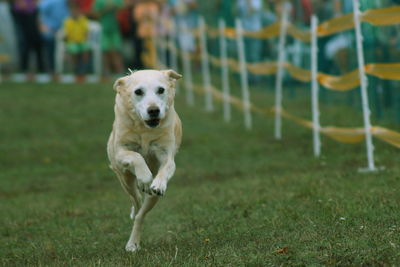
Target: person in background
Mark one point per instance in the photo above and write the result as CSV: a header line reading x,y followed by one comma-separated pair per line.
x,y
225,10
136,43
340,47
268,16
146,14
29,40
185,13
250,12
306,11
192,13
269,46
111,41
7,39
76,28
124,21
165,31
344,6
324,10
51,15
86,7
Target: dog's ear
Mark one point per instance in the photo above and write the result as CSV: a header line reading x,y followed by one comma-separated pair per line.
x,y
119,84
172,74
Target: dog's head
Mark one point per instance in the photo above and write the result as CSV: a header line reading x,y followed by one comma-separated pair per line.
x,y
149,94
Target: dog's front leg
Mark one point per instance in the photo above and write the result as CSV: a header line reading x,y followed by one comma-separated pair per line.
x,y
135,163
167,169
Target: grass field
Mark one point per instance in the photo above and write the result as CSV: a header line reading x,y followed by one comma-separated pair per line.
x,y
237,199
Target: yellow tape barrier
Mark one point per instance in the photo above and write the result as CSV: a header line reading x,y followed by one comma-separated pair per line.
x,y
212,33
4,58
298,73
344,135
336,25
377,17
340,83
386,135
301,35
348,81
382,16
262,68
265,33
389,71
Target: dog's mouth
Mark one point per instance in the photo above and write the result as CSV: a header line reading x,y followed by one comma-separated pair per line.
x,y
153,123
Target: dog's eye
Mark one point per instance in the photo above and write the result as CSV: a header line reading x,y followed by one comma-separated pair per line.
x,y
160,90
139,92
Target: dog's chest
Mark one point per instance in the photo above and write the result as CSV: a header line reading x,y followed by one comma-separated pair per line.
x,y
144,147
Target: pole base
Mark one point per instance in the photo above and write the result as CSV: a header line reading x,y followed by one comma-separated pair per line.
x,y
367,169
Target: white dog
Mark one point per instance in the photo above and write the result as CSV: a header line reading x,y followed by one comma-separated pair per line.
x,y
145,137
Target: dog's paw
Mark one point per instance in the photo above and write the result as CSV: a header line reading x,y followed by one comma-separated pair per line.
x,y
144,175
158,187
127,162
144,178
132,247
145,188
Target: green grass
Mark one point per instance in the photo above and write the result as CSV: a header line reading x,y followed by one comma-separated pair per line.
x,y
236,199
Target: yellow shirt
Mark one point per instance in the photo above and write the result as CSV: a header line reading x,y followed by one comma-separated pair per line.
x,y
76,29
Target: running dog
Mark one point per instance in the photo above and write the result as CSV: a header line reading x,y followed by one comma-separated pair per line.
x,y
145,137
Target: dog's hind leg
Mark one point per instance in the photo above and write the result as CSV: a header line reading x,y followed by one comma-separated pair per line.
x,y
136,203
134,240
128,183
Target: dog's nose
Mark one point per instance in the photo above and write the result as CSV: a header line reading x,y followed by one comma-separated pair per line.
x,y
153,112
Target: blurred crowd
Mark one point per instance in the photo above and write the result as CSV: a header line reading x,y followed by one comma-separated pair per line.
x,y
336,52
36,24
29,29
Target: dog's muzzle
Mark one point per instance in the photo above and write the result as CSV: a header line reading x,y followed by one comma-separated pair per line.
x,y
154,114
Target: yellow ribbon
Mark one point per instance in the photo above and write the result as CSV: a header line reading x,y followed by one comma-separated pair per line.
x,y
4,58
377,17
344,135
382,16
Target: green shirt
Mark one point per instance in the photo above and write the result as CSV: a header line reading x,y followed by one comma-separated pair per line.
x,y
226,12
107,10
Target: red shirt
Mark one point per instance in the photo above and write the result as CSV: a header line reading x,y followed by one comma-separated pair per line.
x,y
307,10
85,5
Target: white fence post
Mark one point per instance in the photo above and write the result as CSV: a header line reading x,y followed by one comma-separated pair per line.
x,y
1,65
163,49
224,71
187,70
59,52
243,76
205,67
95,41
173,50
173,53
315,86
364,87
157,41
280,72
